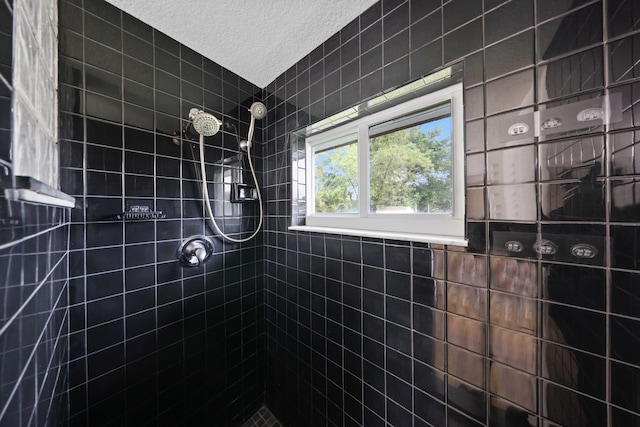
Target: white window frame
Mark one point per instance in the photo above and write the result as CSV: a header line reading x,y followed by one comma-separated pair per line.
x,y
435,228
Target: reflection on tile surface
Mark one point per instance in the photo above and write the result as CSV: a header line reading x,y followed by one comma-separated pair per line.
x,y
573,201
625,294
624,59
466,365
467,269
505,414
513,348
498,129
571,75
511,166
513,202
467,398
580,286
625,200
571,409
625,247
623,15
513,312
511,92
575,369
574,159
574,327
468,334
624,380
625,339
513,385
570,32
467,301
625,159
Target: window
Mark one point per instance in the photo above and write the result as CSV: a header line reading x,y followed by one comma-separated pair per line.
x,y
397,171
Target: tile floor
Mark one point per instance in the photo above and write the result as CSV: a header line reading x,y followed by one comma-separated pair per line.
x,y
263,418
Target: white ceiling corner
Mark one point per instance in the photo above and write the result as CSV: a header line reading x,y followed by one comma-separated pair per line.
x,y
258,40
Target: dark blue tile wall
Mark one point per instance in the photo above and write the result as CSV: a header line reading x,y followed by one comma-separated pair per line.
x,y
375,332
152,343
34,284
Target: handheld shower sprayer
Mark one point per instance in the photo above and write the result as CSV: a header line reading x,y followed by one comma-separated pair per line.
x,y
207,125
258,111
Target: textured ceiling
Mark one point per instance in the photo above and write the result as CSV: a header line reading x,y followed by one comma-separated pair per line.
x,y
256,39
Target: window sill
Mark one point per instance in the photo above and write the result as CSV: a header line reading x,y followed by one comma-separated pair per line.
x,y
30,190
411,237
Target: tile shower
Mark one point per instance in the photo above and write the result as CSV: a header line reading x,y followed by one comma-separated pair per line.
x,y
331,329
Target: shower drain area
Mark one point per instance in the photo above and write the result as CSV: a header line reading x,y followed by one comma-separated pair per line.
x,y
262,418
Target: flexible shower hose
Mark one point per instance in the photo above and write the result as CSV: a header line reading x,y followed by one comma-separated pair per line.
x,y
205,190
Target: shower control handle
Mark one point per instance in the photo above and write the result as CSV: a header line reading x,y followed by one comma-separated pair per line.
x,y
195,251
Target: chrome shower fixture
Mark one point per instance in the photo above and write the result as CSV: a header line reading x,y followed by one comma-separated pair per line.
x,y
204,123
258,110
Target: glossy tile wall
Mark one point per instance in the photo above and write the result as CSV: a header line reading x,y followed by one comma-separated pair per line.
x,y
153,343
537,322
34,318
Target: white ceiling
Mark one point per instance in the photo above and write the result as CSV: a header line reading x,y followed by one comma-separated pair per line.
x,y
256,39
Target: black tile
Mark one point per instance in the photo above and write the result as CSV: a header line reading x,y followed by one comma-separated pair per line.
x,y
426,59
137,27
467,399
586,373
548,9
459,12
371,37
104,83
624,204
102,31
573,201
508,19
511,92
396,73
399,338
102,57
625,295
509,55
580,286
575,327
396,21
571,32
429,409
399,364
137,71
396,47
572,159
503,413
463,41
625,247
625,339
620,417
426,31
398,258
398,311
422,8
584,411
623,16
571,75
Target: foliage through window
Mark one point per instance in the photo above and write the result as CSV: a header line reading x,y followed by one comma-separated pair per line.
x,y
399,170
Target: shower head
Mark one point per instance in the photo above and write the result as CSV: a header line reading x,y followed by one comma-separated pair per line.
x,y
258,110
204,123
